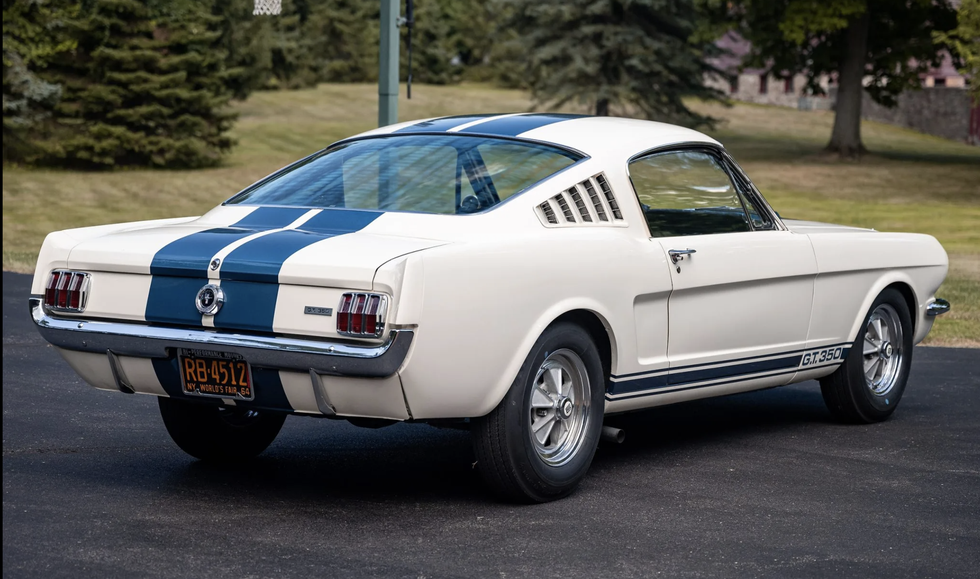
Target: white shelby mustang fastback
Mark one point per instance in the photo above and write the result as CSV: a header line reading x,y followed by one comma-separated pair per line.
x,y
521,275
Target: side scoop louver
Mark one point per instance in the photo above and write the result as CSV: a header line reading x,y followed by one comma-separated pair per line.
x,y
590,202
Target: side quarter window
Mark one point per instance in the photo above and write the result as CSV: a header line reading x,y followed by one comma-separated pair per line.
x,y
750,198
687,193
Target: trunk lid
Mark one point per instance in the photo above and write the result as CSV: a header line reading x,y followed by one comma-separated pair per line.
x,y
270,262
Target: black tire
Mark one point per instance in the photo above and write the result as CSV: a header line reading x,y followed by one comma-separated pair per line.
x,y
219,433
847,392
507,458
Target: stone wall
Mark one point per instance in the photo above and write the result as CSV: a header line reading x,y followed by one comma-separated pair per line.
x,y
944,112
749,88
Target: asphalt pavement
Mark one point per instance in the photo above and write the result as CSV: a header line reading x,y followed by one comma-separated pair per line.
x,y
752,485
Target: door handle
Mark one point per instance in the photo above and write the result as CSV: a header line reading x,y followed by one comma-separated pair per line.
x,y
678,254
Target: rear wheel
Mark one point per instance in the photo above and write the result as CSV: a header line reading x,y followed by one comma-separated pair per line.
x,y
870,383
538,443
219,433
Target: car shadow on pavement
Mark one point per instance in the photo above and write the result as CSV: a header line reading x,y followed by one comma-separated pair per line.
x,y
713,422
421,463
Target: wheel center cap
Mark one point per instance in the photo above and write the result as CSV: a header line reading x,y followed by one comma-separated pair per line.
x,y
886,350
565,408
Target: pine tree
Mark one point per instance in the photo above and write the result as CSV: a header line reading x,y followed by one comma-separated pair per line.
x,y
246,41
437,59
344,36
614,55
141,89
33,35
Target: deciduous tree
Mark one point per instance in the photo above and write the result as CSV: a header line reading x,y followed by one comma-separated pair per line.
x,y
879,46
964,41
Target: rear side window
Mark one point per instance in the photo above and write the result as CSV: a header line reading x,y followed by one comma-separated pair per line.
x,y
687,193
447,174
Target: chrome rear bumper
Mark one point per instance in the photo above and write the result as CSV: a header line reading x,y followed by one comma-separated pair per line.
x,y
938,307
304,355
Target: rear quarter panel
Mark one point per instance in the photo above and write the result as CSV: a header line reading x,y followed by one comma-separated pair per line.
x,y
484,304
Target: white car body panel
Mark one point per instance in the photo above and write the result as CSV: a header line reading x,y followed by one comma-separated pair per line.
x,y
476,291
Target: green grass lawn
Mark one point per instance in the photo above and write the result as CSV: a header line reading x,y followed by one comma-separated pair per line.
x,y
910,182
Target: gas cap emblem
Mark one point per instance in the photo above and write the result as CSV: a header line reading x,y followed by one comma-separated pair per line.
x,y
209,299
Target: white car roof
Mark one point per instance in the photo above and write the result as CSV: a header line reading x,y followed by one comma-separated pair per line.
x,y
594,136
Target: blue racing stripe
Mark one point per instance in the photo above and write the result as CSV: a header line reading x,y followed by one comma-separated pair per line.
x,y
248,306
190,255
650,384
261,259
442,124
641,394
691,376
515,125
674,377
638,384
172,300
180,270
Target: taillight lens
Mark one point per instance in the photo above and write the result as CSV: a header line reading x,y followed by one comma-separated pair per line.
x,y
66,290
343,313
61,297
51,291
371,314
362,315
357,314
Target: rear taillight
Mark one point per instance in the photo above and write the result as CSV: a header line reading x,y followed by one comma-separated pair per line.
x,y
362,315
66,291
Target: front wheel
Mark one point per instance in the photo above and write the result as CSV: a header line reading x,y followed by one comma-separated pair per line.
x,y
870,383
538,443
219,433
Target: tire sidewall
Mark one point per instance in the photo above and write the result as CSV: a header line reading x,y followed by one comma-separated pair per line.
x,y
200,431
869,404
543,480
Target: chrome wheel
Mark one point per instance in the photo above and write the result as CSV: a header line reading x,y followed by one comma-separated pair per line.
x,y
883,353
559,407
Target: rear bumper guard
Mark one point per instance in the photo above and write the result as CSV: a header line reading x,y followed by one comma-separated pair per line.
x,y
303,355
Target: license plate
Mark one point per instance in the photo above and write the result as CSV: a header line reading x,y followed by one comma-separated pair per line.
x,y
220,374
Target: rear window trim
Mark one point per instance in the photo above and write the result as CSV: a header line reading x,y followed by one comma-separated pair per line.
x,y
274,175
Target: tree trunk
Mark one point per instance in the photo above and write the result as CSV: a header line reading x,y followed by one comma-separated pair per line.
x,y
846,138
602,108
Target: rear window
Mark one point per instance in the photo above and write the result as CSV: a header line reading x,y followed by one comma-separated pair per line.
x,y
446,174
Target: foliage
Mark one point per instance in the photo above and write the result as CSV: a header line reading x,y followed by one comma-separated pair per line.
x,y
613,55
33,35
887,44
246,40
806,36
964,41
144,86
436,41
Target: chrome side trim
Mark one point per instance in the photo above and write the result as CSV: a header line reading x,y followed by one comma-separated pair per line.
x,y
938,307
303,355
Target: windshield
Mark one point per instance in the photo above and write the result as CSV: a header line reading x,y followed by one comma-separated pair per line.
x,y
448,174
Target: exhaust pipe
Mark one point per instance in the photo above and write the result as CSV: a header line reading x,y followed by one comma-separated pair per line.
x,y
610,434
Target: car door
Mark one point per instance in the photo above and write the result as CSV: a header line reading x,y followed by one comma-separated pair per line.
x,y
742,285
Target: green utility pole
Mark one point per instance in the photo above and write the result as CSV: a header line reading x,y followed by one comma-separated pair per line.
x,y
388,66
